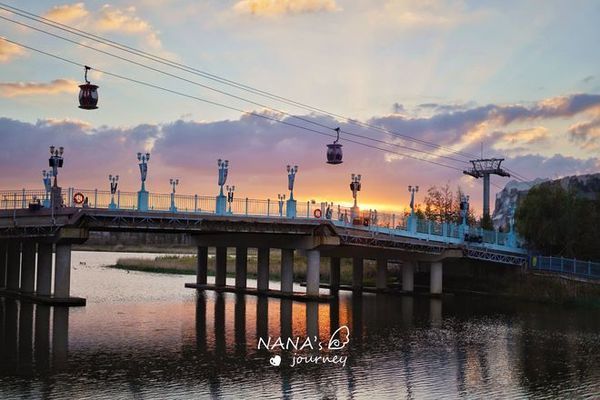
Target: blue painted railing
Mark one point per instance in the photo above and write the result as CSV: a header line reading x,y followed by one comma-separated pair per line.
x,y
567,266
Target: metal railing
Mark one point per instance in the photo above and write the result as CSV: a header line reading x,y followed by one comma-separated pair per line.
x,y
569,266
396,224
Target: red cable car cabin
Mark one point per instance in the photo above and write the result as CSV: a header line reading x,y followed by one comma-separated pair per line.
x,y
88,94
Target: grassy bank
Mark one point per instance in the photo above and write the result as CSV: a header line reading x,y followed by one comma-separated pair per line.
x,y
176,264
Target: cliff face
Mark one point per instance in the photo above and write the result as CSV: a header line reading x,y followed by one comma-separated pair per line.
x,y
587,186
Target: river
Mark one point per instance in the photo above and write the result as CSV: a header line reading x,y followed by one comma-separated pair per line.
x,y
143,335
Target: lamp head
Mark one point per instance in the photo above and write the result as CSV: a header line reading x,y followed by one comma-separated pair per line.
x,y
147,156
139,156
52,150
61,150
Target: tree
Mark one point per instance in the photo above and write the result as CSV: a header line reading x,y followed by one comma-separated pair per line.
x,y
444,206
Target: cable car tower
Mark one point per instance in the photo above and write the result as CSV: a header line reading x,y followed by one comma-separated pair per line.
x,y
483,168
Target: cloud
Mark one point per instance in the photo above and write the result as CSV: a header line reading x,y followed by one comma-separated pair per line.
x,y
534,135
272,8
57,86
586,134
67,13
8,51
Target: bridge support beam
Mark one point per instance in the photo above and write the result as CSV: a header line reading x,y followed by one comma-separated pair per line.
x,y
241,267
435,286
221,266
13,265
408,276
313,262
287,270
334,274
62,270
202,265
262,272
381,277
3,248
28,267
44,269
357,273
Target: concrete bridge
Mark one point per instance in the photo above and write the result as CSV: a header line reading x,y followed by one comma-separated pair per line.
x,y
31,237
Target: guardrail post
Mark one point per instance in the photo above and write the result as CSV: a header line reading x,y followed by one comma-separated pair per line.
x,y
118,199
268,207
574,265
497,234
562,264
195,203
308,209
429,226
24,200
393,221
589,268
246,206
95,198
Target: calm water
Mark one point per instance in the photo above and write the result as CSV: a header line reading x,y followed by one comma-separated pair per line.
x,y
145,336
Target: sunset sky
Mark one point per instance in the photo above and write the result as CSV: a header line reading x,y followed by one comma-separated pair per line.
x,y
523,78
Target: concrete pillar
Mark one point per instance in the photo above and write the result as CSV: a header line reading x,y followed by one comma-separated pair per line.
x,y
13,265
221,266
28,267
3,250
44,269
202,265
285,318
287,270
262,272
381,277
62,270
357,273
313,269
241,267
435,286
201,342
334,274
408,276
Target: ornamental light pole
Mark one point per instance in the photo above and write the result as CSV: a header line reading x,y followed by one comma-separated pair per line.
x,y
355,187
55,162
221,206
143,194
114,184
47,179
412,219
173,183
290,211
230,191
281,198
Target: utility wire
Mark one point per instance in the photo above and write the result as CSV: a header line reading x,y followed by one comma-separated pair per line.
x,y
151,85
227,93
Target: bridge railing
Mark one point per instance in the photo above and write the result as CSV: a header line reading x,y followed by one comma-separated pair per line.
x,y
569,266
390,223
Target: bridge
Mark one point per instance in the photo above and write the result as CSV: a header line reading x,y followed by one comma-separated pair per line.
x,y
38,227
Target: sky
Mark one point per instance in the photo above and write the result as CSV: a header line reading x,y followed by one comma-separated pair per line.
x,y
516,80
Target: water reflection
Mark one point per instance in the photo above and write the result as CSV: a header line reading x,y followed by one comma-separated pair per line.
x,y
206,346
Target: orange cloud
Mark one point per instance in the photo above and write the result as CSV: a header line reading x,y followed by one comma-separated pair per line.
x,y
67,13
8,51
271,8
14,89
527,136
125,21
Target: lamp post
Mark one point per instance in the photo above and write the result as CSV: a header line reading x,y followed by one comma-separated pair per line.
x,y
173,183
412,219
511,239
290,211
114,183
230,191
355,187
143,194
55,162
47,179
221,205
281,198
464,215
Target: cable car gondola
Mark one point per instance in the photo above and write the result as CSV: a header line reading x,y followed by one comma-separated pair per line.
x,y
334,150
88,94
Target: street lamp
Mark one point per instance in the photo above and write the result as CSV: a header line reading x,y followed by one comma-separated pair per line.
x,y
114,183
143,194
290,211
412,190
223,166
47,179
230,190
56,161
355,187
173,183
281,198
464,209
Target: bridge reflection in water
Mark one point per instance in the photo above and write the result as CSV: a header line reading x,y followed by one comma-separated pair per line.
x,y
399,347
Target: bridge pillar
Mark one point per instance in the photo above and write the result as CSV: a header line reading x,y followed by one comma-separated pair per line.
x,y
357,273
287,270
334,274
28,267
408,276
313,266
262,272
221,266
381,277
13,265
435,286
3,249
241,267
202,265
62,270
44,269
